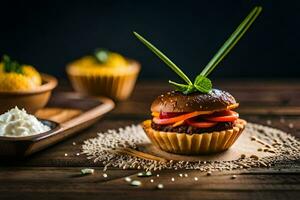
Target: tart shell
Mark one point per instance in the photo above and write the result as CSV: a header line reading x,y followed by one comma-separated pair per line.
x,y
193,144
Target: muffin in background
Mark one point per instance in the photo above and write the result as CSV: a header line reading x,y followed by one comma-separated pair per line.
x,y
105,73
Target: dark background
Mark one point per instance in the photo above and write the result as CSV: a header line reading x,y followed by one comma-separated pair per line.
x,y
49,34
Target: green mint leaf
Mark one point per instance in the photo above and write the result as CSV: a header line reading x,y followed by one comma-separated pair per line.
x,y
185,89
164,58
101,55
11,65
16,67
202,84
6,63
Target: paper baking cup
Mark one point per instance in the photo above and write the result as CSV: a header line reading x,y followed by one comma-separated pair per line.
x,y
117,86
198,143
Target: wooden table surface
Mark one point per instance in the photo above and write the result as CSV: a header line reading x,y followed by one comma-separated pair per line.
x,y
52,175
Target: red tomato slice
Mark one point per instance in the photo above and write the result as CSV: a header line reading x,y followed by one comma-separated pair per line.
x,y
164,115
201,124
229,117
172,120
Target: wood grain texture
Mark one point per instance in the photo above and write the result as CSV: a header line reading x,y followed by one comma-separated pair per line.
x,y
59,115
52,175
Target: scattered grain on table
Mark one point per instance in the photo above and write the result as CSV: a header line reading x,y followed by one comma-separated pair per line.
x,y
100,149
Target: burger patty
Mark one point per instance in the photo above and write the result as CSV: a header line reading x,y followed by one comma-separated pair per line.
x,y
191,129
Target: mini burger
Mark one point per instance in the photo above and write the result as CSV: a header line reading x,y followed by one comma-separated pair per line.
x,y
195,118
196,123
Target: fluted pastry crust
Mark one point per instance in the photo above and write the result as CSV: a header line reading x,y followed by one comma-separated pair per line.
x,y
192,144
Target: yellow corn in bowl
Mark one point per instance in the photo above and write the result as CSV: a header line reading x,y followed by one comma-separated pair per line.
x,y
23,86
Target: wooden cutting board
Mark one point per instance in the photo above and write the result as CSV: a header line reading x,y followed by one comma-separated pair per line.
x,y
59,115
66,114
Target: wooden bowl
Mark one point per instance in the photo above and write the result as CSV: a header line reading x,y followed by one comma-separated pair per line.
x,y
31,100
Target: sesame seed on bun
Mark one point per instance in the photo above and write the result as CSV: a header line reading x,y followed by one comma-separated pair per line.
x,y
215,100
